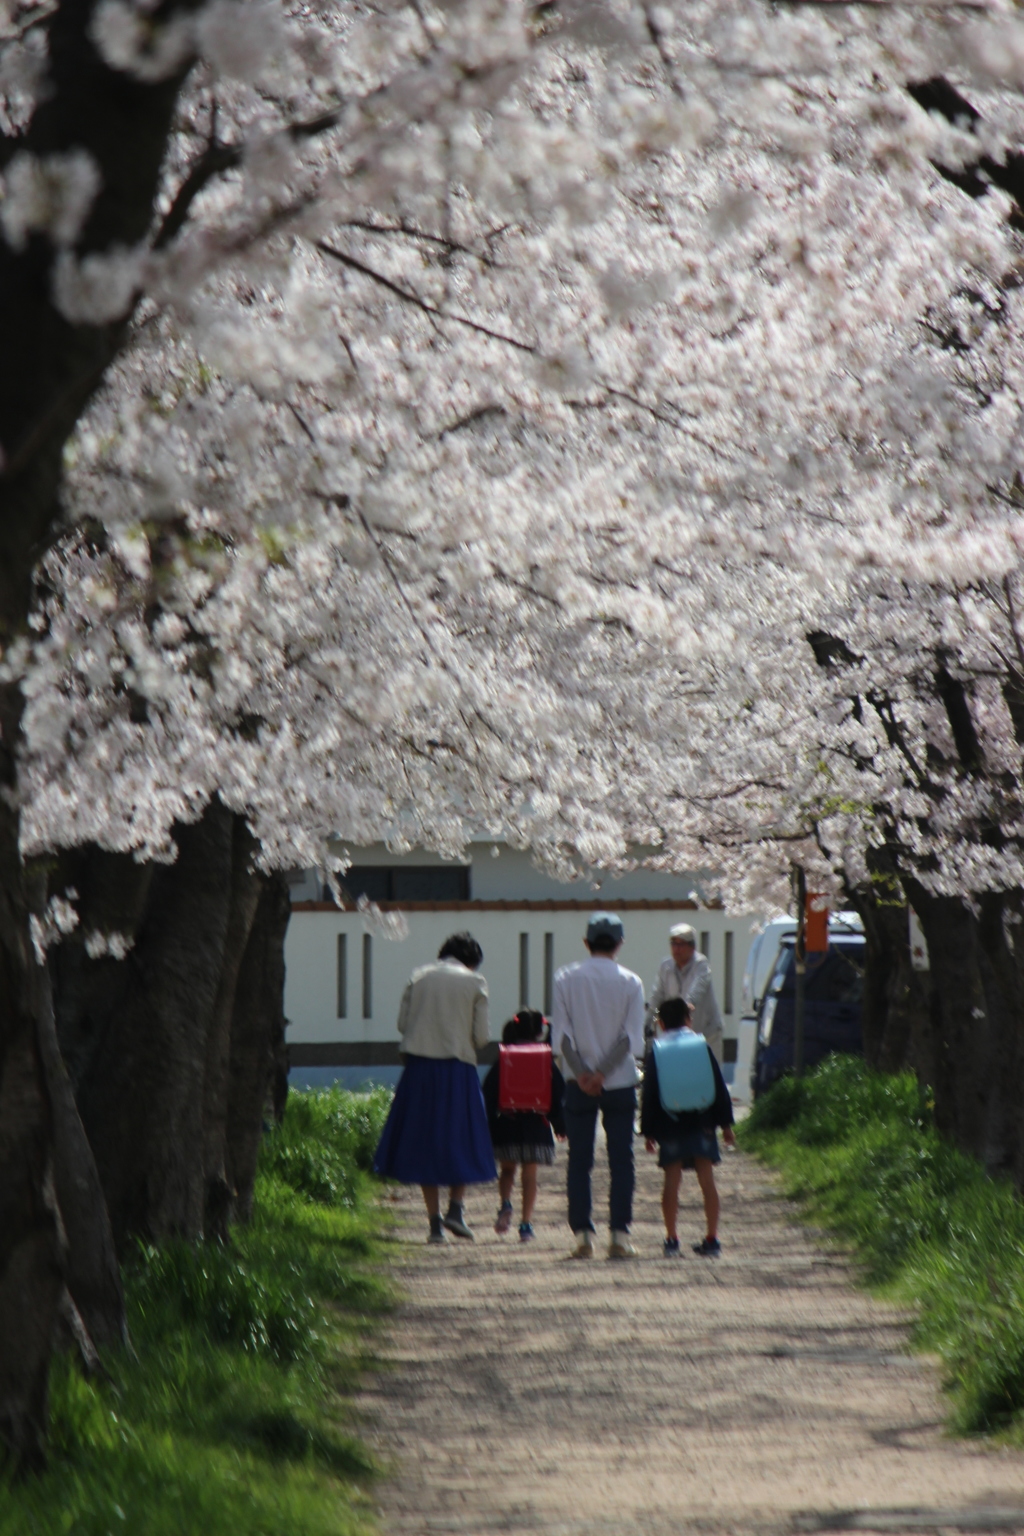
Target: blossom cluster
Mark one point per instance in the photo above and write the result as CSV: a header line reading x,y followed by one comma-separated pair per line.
x,y
504,411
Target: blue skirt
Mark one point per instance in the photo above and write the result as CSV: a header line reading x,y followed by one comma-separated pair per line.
x,y
436,1132
687,1147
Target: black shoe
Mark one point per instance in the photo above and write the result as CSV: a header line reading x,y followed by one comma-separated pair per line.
x,y
708,1248
455,1222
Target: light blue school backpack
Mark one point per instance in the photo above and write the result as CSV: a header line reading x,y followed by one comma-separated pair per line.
x,y
686,1078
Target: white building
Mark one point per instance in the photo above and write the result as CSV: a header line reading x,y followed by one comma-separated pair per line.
x,y
344,982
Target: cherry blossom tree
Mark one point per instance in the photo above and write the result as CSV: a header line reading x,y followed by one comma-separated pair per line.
x,y
430,417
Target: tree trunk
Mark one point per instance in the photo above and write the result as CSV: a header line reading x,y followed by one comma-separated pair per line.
x,y
895,1013
246,886
93,1276
31,1234
141,1093
999,920
87,991
49,369
972,1017
258,1060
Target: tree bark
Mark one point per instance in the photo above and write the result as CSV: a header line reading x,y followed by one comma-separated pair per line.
x,y
999,924
895,1010
31,1235
974,1009
141,1093
258,1057
93,1275
246,887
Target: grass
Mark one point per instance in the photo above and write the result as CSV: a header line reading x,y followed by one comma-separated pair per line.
x,y
233,1415
929,1226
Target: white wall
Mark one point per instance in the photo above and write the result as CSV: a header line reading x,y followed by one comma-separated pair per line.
x,y
311,959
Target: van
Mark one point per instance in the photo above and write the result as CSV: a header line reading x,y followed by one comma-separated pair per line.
x,y
833,1001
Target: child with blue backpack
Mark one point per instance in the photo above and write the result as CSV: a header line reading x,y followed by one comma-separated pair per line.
x,y
684,1100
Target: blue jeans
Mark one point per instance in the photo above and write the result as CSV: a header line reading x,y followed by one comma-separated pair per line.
x,y
618,1107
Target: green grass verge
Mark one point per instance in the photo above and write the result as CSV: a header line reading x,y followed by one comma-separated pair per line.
x,y
930,1227
233,1416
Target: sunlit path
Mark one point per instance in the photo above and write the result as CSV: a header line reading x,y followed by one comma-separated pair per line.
x,y
761,1393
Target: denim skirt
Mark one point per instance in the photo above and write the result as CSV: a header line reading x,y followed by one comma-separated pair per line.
x,y
436,1132
687,1147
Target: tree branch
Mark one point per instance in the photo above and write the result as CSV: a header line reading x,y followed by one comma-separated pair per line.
x,y
411,297
214,161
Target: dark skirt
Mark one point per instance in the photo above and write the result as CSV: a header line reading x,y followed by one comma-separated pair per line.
x,y
687,1147
436,1132
524,1152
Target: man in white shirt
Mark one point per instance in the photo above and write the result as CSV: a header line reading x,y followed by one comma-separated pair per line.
x,y
597,1026
687,974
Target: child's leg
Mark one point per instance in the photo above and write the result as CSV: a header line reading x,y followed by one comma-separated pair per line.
x,y
705,1170
670,1197
506,1181
528,1183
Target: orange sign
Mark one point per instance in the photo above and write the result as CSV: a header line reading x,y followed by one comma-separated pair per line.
x,y
816,924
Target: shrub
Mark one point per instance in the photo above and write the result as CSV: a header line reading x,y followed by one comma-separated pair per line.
x,y
325,1137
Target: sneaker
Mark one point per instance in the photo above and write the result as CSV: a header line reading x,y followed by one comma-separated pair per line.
x,y
620,1247
456,1224
526,1232
504,1220
671,1247
585,1246
708,1248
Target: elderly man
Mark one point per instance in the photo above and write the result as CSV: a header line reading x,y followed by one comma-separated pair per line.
x,y
687,974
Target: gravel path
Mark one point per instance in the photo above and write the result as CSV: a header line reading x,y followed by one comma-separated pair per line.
x,y
760,1393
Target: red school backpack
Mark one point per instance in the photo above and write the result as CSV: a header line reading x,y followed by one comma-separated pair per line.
x,y
524,1078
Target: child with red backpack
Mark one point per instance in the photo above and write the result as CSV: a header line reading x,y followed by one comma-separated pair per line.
x,y
684,1099
524,1093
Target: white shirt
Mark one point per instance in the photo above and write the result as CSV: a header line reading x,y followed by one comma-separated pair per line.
x,y
594,1004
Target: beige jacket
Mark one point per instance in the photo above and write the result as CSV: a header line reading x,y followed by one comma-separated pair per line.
x,y
443,1012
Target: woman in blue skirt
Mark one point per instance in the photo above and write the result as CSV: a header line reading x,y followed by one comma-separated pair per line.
x,y
436,1132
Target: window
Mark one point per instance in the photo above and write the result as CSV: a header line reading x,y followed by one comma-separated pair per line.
x,y
728,973
342,975
705,944
549,971
367,976
524,970
407,882
837,976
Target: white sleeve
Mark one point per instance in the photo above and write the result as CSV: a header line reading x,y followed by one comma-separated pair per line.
x,y
560,1026
634,1022
700,986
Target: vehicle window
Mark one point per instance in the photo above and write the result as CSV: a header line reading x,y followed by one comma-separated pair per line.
x,y
782,975
836,978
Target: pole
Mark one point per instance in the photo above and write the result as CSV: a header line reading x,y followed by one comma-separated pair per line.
x,y
800,963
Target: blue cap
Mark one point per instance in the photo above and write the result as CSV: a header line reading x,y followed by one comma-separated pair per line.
x,y
605,925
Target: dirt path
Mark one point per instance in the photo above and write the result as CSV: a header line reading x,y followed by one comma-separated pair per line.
x,y
759,1393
